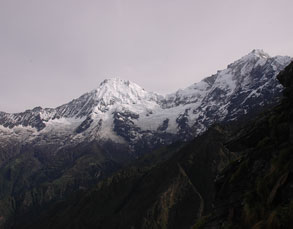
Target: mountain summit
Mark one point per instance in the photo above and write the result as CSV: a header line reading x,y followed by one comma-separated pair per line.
x,y
259,53
120,91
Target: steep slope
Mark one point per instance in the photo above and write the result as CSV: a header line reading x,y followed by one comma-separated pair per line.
x,y
255,191
245,86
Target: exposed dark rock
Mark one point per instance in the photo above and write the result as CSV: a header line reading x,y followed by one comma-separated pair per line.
x,y
164,125
84,125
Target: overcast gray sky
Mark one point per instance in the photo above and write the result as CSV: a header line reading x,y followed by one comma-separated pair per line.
x,y
52,51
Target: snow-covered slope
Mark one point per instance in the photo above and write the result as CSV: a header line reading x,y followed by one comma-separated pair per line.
x,y
122,112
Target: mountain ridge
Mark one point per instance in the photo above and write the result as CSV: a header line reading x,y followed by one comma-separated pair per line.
x,y
123,112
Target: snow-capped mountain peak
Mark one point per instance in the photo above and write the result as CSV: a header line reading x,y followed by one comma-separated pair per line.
x,y
256,56
259,53
121,91
110,92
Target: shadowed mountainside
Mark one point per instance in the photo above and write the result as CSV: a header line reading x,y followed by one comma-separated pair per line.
x,y
170,194
256,191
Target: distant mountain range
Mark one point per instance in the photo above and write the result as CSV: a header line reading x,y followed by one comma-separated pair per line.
x,y
121,112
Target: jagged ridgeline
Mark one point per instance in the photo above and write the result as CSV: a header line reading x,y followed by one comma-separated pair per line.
x,y
121,112
88,163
